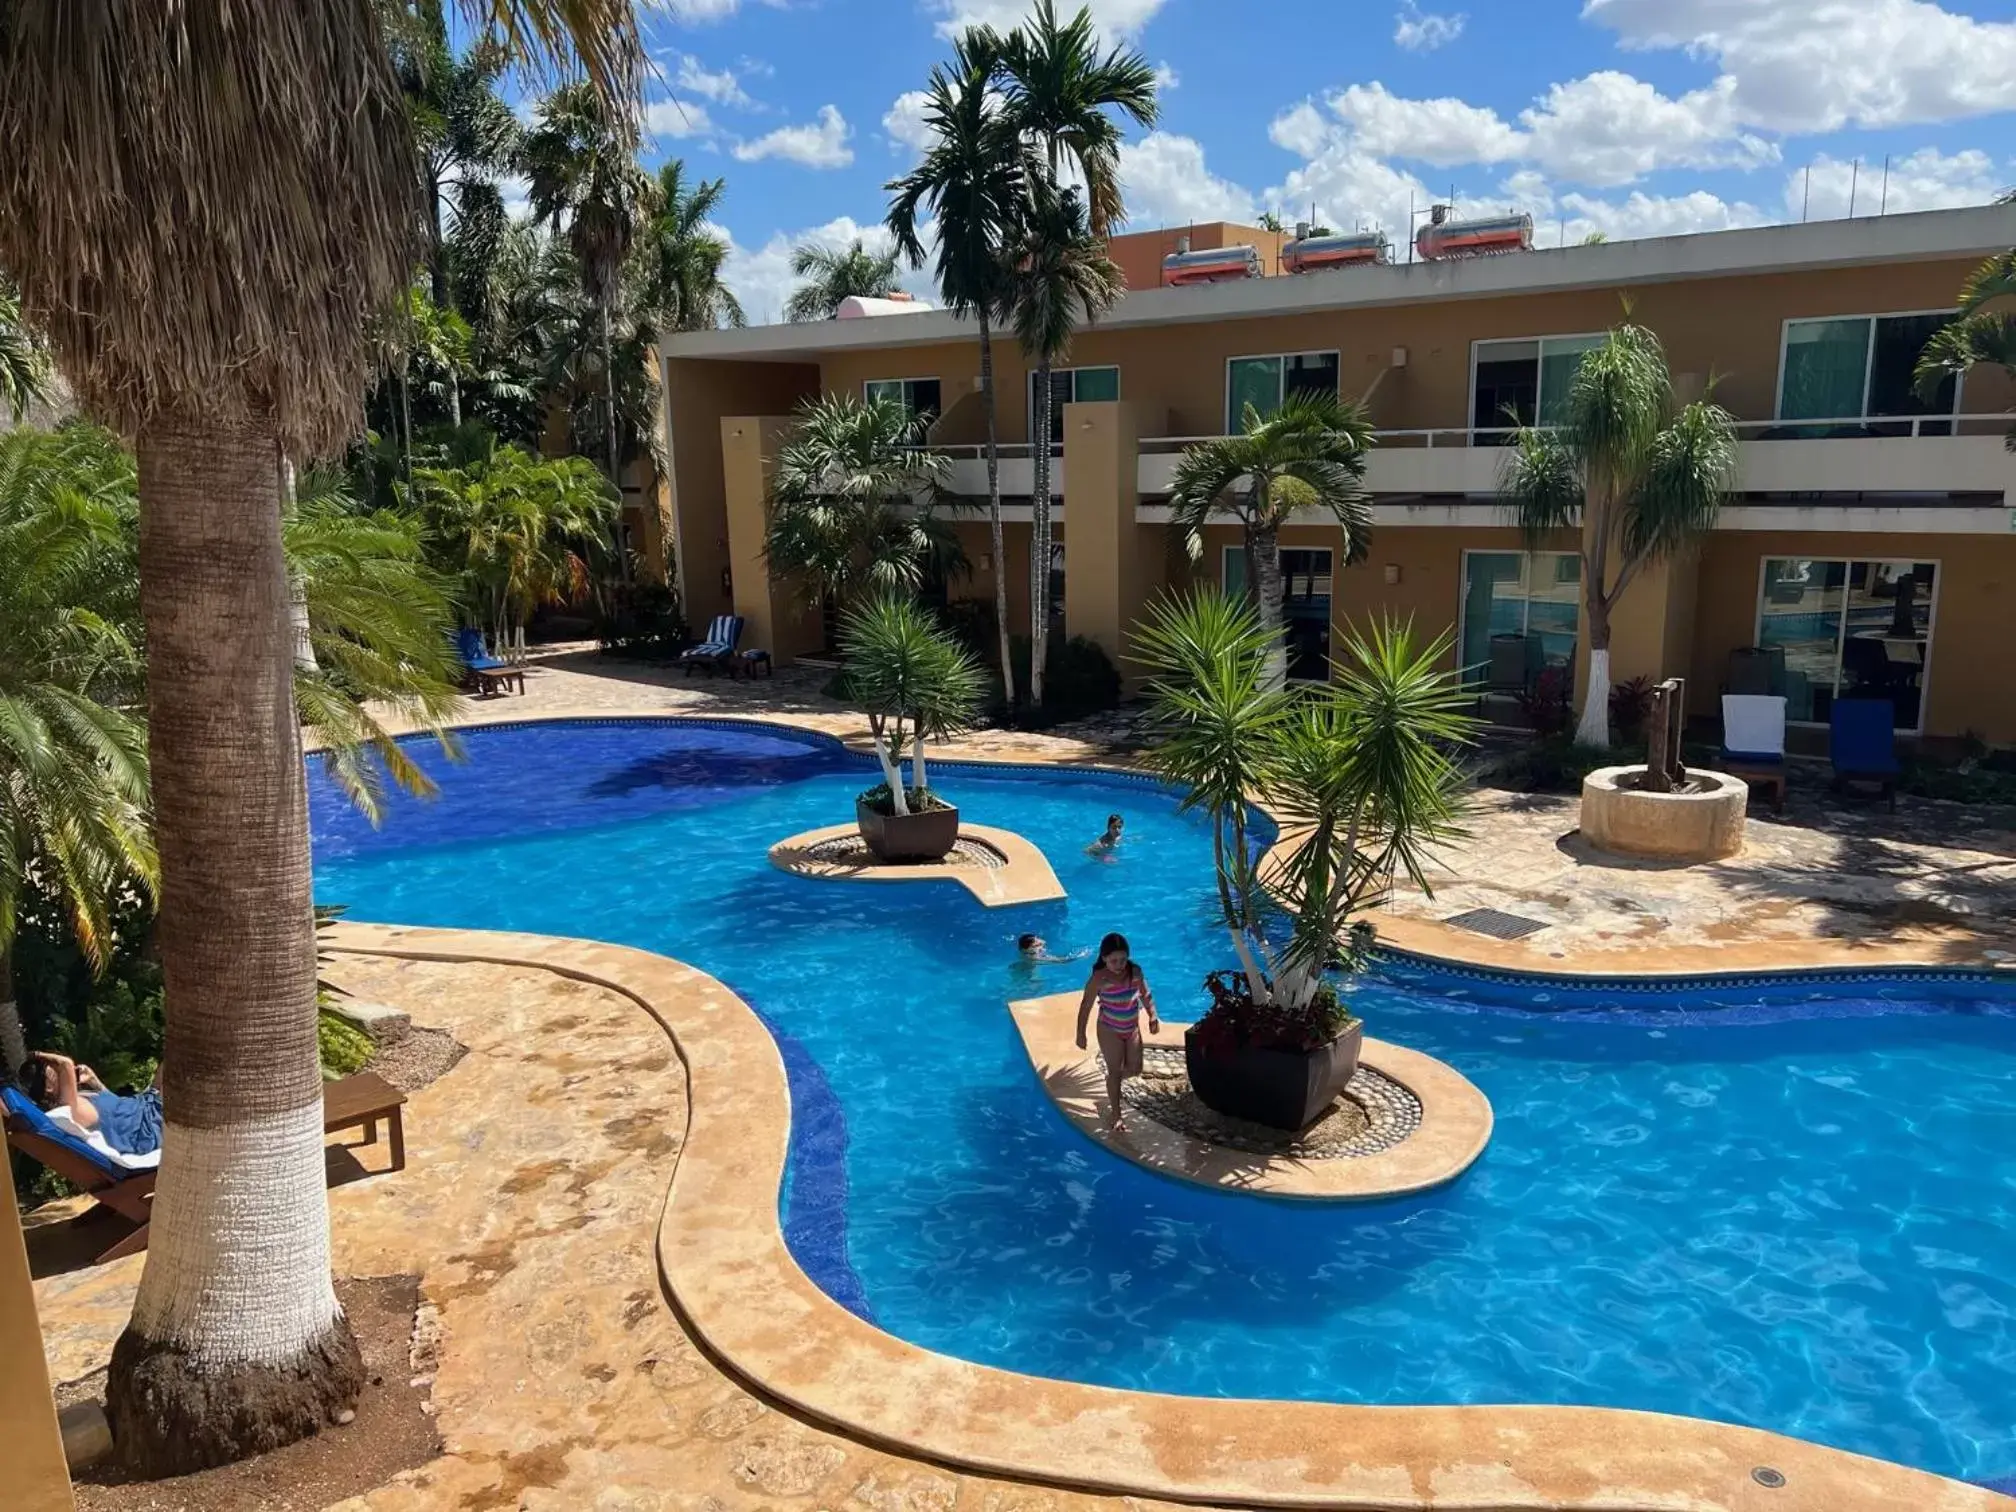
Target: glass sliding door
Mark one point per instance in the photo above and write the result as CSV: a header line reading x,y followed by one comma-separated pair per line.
x,y
915,396
1305,605
1826,369
1849,629
1515,383
1072,386
1560,360
1264,382
1520,615
1860,370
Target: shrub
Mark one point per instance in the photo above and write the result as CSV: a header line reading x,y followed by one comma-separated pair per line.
x,y
642,620
1549,705
1556,764
1079,678
344,1047
971,622
1630,706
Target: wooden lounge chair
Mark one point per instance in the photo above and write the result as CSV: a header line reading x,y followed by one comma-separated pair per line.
x,y
717,649
1753,741
488,674
125,1184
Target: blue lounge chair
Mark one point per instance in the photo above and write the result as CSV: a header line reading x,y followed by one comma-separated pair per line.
x,y
713,652
490,674
122,1183
1864,745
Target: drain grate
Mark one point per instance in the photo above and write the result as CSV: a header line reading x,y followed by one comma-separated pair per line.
x,y
1498,925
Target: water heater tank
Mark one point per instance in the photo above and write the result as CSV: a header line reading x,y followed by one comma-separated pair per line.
x,y
1212,265
1309,253
1484,237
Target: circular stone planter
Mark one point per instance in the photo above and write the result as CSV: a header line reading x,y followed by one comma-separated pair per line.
x,y
1703,823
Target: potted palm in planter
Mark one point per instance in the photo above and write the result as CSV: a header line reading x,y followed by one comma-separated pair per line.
x,y
915,683
1359,776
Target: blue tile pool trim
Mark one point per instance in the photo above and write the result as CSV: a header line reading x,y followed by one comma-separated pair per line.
x,y
1663,983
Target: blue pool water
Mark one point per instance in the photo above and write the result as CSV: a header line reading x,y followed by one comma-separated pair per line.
x,y
1787,1205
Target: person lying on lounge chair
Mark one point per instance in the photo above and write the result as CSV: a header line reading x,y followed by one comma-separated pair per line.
x,y
130,1125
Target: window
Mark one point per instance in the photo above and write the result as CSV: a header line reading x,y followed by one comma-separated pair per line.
x,y
1305,604
1072,386
1847,629
918,396
1264,382
1854,366
1515,383
1520,615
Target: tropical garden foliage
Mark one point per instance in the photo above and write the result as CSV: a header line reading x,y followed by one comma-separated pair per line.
x,y
1641,476
1983,331
834,275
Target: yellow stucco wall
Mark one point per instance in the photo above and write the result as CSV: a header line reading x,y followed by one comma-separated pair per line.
x,y
31,1446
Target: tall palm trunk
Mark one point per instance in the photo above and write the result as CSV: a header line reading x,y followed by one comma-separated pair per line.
x,y
609,416
1039,547
236,1343
1263,567
994,537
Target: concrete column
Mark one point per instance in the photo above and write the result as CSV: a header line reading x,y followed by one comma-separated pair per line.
x,y
38,1478
1105,580
779,620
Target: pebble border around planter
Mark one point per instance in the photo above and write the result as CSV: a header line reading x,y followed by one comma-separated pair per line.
x,y
1375,1114
852,850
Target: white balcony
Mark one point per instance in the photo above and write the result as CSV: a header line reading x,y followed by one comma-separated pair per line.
x,y
1017,474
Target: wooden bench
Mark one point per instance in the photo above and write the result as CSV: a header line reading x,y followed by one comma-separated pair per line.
x,y
362,1102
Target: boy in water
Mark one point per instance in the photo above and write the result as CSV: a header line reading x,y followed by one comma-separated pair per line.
x,y
1033,950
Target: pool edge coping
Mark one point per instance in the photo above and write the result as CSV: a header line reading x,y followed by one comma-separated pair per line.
x,y
1025,875
726,1270
1455,1128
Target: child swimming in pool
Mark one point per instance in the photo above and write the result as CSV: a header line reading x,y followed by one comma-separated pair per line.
x,y
1034,950
1107,846
1120,989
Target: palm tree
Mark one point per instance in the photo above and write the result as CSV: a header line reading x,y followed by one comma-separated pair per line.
x,y
24,369
834,275
1359,772
854,503
1060,91
1976,335
513,531
283,129
1059,277
73,744
581,161
679,261
970,185
1642,479
1308,454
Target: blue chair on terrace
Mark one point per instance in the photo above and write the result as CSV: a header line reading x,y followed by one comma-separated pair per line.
x,y
713,652
1863,747
490,674
123,1184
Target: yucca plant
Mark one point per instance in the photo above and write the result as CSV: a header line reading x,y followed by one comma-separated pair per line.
x,y
915,682
1359,773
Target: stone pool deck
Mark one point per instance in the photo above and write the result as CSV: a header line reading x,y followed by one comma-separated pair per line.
x,y
576,1372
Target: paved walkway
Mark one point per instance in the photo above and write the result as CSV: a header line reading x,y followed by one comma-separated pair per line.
x,y
537,1172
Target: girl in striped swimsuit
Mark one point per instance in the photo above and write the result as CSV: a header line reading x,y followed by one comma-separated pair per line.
x,y
1121,993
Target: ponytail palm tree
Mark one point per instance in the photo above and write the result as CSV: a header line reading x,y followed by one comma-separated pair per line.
x,y
834,275
1641,478
203,205
854,503
1059,278
970,186
1308,455
73,744
915,681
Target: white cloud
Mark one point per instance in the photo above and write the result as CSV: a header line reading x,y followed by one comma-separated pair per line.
x,y
1925,180
1165,183
1444,131
761,277
1115,19
1819,65
904,120
720,85
517,197
816,144
1166,77
1417,30
678,119
697,11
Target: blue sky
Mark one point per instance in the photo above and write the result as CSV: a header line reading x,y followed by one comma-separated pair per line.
x,y
1633,117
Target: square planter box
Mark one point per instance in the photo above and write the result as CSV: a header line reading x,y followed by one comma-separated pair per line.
x,y
908,839
1283,1089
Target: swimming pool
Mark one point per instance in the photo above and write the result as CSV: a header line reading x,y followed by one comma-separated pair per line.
x,y
1778,1204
